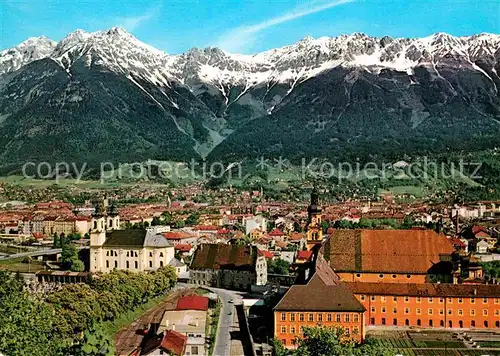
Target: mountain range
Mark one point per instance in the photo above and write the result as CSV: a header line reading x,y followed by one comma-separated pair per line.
x,y
106,96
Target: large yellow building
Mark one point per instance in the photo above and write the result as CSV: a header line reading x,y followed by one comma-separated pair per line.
x,y
136,250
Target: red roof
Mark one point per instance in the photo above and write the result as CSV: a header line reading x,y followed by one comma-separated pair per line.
x,y
276,232
476,229
457,243
176,235
223,231
183,247
304,255
482,234
206,228
192,302
266,254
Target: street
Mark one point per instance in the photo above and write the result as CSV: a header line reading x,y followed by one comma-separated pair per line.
x,y
226,321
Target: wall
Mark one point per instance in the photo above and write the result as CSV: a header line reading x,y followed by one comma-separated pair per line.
x,y
291,322
431,312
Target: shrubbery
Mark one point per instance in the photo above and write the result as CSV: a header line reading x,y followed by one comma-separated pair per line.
x,y
64,322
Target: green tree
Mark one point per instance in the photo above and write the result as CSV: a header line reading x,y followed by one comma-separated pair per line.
x,y
278,266
95,342
193,219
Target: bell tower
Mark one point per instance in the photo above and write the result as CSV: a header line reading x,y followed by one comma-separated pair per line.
x,y
314,230
98,228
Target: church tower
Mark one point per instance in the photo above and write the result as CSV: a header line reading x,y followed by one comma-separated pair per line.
x,y
98,226
314,229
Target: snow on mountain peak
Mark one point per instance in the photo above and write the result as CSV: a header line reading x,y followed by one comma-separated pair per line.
x,y
30,50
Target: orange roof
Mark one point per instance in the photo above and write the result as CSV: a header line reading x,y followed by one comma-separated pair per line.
x,y
183,247
304,255
276,232
206,228
482,234
266,254
405,251
176,235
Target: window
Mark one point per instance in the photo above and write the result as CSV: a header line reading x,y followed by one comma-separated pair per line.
x,y
128,264
407,310
116,264
460,312
394,321
362,298
419,311
161,263
150,263
283,317
450,312
473,323
355,330
382,299
430,299
472,301
194,350
394,299
429,311
485,300
485,323
161,254
407,322
383,321
283,329
441,311
382,309
485,312
337,318
380,276
408,276
310,317
407,299
136,264
418,300
347,331
441,300
394,310
107,264
460,301
497,301
372,309
320,317
301,317
358,275
151,254
328,317
292,317
292,329
355,318
472,312
419,322
347,318
431,323
497,312
372,298
450,300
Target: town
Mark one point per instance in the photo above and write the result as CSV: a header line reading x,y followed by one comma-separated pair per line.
x,y
383,277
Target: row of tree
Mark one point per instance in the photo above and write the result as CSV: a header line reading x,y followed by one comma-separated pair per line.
x,y
69,321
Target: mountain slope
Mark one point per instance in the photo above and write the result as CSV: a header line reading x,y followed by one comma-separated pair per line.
x,y
108,96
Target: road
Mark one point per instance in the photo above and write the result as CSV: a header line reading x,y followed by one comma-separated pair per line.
x,y
226,320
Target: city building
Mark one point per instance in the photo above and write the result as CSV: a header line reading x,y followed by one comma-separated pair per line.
x,y
228,266
323,301
390,256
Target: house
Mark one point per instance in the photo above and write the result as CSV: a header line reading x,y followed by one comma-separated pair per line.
x,y
323,300
168,343
482,247
228,266
191,323
255,222
303,256
192,302
391,256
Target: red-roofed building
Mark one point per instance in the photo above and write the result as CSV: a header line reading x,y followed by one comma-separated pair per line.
x,y
171,343
192,302
276,233
268,255
179,237
303,256
184,249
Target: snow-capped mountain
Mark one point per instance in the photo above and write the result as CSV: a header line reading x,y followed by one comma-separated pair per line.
x,y
208,98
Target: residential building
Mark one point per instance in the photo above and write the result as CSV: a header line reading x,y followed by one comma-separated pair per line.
x,y
228,266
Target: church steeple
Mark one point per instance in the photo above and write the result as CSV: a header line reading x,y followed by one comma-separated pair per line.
x,y
314,229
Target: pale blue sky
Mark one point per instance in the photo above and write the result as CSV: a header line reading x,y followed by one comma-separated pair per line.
x,y
244,26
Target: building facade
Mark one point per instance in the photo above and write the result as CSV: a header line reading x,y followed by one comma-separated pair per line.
x,y
228,266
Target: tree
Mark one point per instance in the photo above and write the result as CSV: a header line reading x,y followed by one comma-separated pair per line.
x,y
193,219
95,342
278,266
179,224
77,266
279,348
328,341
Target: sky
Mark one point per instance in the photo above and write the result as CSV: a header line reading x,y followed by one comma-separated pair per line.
x,y
244,26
